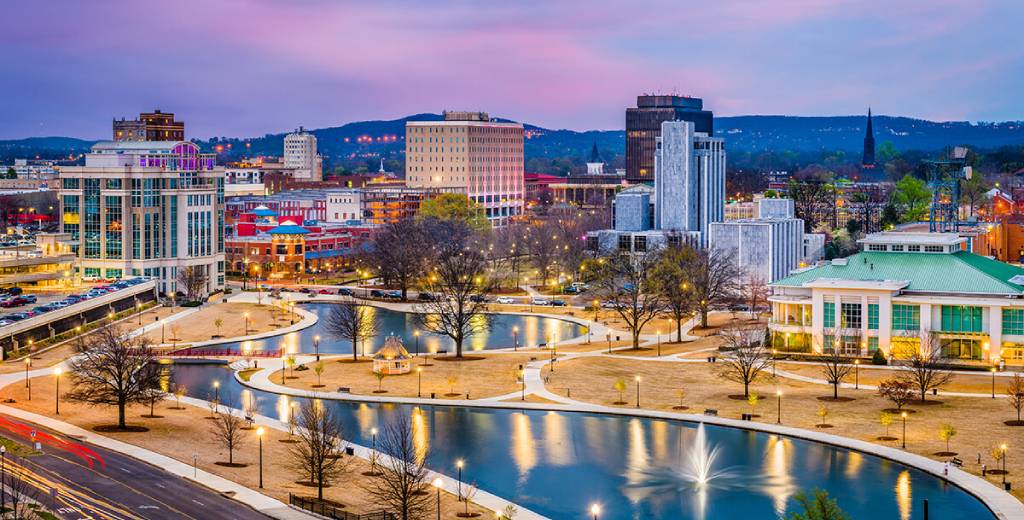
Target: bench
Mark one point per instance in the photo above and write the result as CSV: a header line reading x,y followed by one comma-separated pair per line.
x,y
957,462
344,389
711,411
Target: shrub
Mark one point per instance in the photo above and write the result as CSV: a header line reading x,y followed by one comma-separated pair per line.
x,y
878,358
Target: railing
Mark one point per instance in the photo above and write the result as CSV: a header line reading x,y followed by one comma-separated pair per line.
x,y
218,352
324,509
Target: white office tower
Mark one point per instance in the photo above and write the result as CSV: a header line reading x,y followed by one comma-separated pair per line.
x,y
767,247
689,179
300,156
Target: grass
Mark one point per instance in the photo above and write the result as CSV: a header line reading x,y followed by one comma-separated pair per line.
x,y
17,448
247,373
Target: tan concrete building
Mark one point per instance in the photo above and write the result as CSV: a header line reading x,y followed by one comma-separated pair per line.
x,y
472,154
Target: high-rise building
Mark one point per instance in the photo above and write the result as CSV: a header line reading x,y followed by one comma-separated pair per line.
x,y
150,126
868,160
149,208
643,127
689,185
300,156
766,248
472,154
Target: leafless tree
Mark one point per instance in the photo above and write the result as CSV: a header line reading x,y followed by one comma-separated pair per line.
x,y
747,358
152,399
351,321
511,248
835,368
23,498
925,370
193,280
317,454
756,292
898,391
229,430
399,253
402,483
113,368
458,282
542,245
670,281
714,277
626,280
1015,391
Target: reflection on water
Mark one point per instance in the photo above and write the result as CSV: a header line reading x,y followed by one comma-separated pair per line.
x,y
558,463
506,329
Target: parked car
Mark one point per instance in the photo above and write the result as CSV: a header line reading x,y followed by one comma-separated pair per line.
x,y
5,322
570,290
541,301
479,298
28,298
558,303
22,315
42,309
345,291
305,290
376,293
505,300
609,305
14,291
59,304
395,295
426,296
12,302
324,291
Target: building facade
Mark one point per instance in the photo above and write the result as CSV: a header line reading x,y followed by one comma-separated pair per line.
x,y
469,153
150,126
765,248
689,184
905,293
301,157
146,208
643,127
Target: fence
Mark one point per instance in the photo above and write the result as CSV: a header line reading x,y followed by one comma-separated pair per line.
x,y
323,509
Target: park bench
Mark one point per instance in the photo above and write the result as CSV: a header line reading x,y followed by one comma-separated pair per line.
x,y
957,462
711,411
344,389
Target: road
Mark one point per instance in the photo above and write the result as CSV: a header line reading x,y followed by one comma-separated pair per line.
x,y
92,482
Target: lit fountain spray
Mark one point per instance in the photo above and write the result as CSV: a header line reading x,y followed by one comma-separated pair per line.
x,y
700,458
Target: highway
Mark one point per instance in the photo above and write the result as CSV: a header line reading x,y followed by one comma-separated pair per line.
x,y
76,480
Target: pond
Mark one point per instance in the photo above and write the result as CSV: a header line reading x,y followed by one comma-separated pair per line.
x,y
558,463
506,329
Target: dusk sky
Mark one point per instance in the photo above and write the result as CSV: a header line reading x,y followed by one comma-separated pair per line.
x,y
249,67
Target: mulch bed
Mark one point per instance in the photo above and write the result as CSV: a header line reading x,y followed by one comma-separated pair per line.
x,y
680,407
896,411
830,399
945,454
886,438
113,428
463,358
148,416
823,426
380,391
1014,423
231,464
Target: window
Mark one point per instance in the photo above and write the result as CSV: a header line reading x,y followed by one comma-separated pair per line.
x,y
830,315
873,316
914,248
933,249
1013,321
961,318
906,317
876,247
896,247
640,243
624,242
850,316
872,345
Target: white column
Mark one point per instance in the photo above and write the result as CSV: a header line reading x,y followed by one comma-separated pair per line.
x,y
926,325
885,323
817,321
995,333
864,317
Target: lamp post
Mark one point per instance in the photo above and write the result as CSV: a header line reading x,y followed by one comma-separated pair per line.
x,y
163,339
778,399
419,381
515,338
56,395
458,464
3,471
138,309
373,450
608,338
594,511
856,374
28,382
904,440
284,364
522,381
416,334
259,435
216,390
437,485
658,332
993,370
1003,448
773,362
316,346
638,391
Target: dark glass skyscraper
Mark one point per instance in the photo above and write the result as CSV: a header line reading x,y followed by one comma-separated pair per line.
x,y
643,126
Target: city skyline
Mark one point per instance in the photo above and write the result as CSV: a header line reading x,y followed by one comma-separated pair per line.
x,y
245,68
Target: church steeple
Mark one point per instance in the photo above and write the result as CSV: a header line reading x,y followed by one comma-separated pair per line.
x,y
868,160
595,166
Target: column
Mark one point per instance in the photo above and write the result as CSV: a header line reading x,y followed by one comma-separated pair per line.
x,y
864,317
817,321
995,333
884,323
926,326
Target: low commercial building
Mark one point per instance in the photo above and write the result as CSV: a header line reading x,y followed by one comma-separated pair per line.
x,y
768,247
904,293
50,264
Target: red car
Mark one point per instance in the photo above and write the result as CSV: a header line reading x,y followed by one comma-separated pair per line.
x,y
17,301
324,291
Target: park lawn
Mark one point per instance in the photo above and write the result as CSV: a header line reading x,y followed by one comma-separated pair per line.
x,y
180,434
978,421
980,383
200,325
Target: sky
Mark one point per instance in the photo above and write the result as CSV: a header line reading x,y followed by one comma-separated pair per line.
x,y
249,67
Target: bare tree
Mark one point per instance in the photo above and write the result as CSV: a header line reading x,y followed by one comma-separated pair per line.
x,y
1015,391
755,291
714,277
626,280
897,391
543,244
113,368
512,246
23,497
151,399
402,482
317,454
180,391
458,310
748,357
351,321
925,370
229,430
670,280
399,253
193,280
835,368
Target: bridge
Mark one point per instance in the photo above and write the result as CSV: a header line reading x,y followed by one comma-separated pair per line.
x,y
48,325
213,351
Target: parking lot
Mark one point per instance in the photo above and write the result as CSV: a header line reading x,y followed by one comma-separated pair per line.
x,y
17,304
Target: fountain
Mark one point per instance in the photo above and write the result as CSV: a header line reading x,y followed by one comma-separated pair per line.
x,y
700,458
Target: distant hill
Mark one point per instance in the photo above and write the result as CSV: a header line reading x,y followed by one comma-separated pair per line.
x,y
743,134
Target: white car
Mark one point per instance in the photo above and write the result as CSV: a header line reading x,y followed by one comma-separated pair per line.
x,y
505,299
541,301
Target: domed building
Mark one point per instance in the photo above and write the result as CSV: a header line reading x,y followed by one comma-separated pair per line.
x,y
392,359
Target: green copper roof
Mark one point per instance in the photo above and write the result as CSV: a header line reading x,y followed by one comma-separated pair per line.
x,y
959,272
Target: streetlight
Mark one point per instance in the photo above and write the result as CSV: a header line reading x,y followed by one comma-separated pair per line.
x,y
773,362
993,370
515,338
373,450
522,380
216,390
259,435
246,314
856,374
28,382
56,400
778,399
1003,448
419,381
3,471
608,338
595,510
459,463
284,362
438,483
138,309
416,334
904,415
638,391
658,332
316,346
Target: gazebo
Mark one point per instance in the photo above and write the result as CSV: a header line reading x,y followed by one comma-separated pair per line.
x,y
392,358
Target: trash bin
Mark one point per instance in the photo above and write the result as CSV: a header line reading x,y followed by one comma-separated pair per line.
x,y
349,450
1007,485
